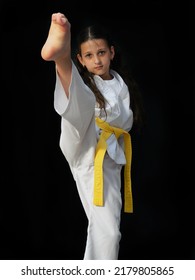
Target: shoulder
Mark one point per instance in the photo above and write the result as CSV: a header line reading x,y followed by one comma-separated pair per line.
x,y
117,77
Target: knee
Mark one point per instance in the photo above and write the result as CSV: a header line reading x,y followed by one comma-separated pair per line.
x,y
114,236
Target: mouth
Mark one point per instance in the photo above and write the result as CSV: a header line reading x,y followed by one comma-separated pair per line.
x,y
98,67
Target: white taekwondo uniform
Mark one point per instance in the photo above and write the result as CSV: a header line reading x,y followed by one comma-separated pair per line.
x,y
78,140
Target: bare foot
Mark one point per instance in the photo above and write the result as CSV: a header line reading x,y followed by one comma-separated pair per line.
x,y
57,45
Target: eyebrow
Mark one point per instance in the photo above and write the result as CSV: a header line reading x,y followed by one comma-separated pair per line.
x,y
101,49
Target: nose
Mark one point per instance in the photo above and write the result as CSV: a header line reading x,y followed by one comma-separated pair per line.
x,y
96,59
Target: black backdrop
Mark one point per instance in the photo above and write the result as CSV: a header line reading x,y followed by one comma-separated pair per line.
x,y
41,214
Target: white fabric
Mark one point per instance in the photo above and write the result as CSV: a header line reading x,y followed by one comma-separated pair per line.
x,y
78,139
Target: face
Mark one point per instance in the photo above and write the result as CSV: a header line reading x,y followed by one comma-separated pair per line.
x,y
96,57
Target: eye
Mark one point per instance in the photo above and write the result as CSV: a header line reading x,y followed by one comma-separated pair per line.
x,y
101,53
88,55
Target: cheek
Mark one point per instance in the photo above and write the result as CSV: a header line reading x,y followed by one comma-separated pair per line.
x,y
87,63
108,60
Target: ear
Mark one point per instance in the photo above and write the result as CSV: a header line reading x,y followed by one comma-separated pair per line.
x,y
112,52
80,59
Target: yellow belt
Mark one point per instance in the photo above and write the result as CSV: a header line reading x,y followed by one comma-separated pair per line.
x,y
101,148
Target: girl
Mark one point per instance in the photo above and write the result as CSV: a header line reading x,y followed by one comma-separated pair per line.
x,y
93,101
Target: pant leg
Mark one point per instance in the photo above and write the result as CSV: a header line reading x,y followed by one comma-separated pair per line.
x,y
103,233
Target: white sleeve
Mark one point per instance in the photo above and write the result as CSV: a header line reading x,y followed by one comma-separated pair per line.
x,y
79,108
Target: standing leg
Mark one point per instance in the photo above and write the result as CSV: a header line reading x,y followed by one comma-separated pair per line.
x,y
104,222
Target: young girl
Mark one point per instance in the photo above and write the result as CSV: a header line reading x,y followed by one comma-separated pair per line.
x,y
93,101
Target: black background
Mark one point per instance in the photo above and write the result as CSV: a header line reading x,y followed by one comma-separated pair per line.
x,y
41,216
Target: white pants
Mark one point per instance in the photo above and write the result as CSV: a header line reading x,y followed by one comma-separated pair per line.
x,y
103,222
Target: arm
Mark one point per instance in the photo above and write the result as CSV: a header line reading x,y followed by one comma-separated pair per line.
x,y
57,48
